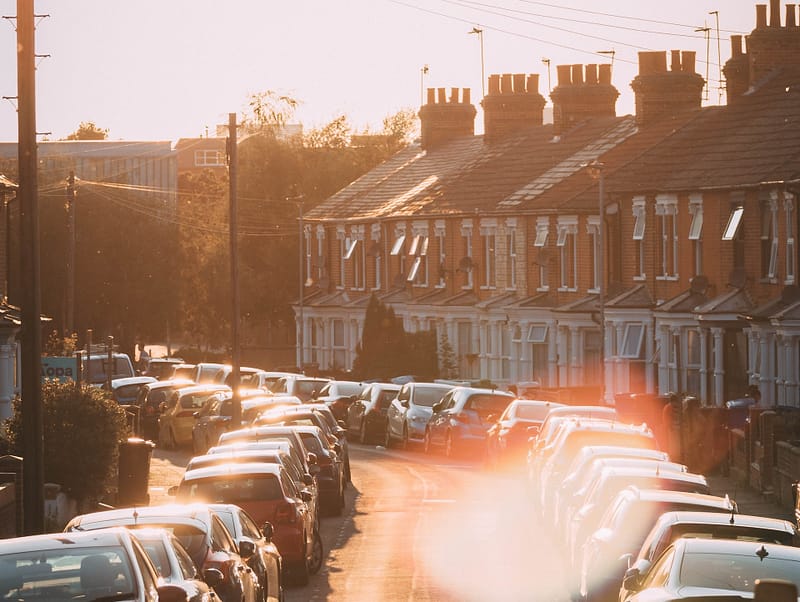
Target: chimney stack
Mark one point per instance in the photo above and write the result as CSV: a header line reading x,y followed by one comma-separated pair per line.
x,y
513,102
583,92
770,46
444,119
662,94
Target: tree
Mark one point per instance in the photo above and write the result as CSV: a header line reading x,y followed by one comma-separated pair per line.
x,y
82,433
87,130
383,351
447,358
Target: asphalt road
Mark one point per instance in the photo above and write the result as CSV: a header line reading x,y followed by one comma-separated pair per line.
x,y
421,528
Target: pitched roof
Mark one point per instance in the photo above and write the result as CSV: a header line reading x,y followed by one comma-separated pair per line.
x,y
750,142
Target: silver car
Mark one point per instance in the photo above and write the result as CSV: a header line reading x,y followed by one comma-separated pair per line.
x,y
409,412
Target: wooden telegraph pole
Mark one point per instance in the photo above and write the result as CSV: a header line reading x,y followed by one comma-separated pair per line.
x,y
28,195
236,418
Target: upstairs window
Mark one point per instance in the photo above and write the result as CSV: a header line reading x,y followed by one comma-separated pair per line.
x,y
667,226
791,264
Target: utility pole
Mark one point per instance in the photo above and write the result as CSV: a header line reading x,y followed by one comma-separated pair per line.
x,y
302,284
69,318
32,429
479,32
236,418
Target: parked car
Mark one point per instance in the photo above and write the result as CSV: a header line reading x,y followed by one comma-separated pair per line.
x,y
304,387
161,368
175,565
462,418
256,547
366,417
623,529
292,445
276,452
609,482
176,421
96,371
338,395
109,564
268,494
409,413
198,528
253,406
210,421
125,391
331,476
507,438
671,526
258,434
715,569
187,371
150,398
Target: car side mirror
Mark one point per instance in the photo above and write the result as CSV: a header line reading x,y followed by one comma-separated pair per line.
x,y
174,593
246,548
626,558
308,479
404,403
342,425
213,577
437,407
774,590
337,447
311,458
267,531
195,415
306,496
632,580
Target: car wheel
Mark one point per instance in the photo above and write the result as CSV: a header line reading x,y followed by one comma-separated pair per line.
x,y
317,554
301,574
362,433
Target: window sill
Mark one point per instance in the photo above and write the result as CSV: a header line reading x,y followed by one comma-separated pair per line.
x,y
667,278
488,288
542,289
640,278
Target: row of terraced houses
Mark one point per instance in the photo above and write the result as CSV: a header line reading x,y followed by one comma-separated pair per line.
x,y
651,253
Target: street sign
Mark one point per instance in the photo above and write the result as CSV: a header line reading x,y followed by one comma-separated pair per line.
x,y
62,369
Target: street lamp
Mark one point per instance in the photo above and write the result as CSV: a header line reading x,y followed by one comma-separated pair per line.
x,y
479,32
596,170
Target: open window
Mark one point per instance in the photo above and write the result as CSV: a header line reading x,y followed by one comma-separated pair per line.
x,y
632,341
732,227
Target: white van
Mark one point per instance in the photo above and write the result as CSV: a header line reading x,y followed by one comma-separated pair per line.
x,y
95,370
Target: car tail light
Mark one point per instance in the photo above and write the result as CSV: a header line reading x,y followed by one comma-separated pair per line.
x,y
285,512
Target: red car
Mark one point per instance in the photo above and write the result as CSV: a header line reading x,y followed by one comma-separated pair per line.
x,y
268,494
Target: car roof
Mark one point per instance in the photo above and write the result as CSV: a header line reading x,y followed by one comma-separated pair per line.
x,y
99,538
680,497
642,471
483,390
206,388
602,424
171,382
196,515
615,451
238,455
232,469
583,410
266,444
687,517
537,403
132,380
698,545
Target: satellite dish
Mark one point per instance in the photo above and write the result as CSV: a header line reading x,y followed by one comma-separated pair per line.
x,y
699,284
466,264
737,278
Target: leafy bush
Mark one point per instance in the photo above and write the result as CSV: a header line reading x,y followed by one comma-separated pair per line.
x,y
82,431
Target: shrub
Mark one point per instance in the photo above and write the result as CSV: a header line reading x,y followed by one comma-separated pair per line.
x,y
82,431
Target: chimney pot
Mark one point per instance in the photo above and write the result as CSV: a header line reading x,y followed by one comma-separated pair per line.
x,y
688,61
774,13
791,13
605,74
519,83
533,83
465,96
676,60
454,95
736,45
431,96
577,74
564,75
442,93
761,16
591,74
494,84
652,62
505,84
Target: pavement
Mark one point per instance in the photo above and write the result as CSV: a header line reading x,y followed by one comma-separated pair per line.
x,y
748,499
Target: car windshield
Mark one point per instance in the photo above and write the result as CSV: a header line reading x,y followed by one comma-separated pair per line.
x,y
158,554
192,538
312,443
487,404
526,411
736,572
194,400
231,489
427,396
67,572
127,392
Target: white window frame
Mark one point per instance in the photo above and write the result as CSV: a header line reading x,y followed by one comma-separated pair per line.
x,y
567,242
772,271
667,212
466,234
440,233
696,231
489,252
542,230
378,258
307,241
593,230
631,344
791,267
344,243
209,158
734,221
320,252
511,263
639,209
537,333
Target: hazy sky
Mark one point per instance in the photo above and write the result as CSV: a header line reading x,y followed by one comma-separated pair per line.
x,y
165,69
